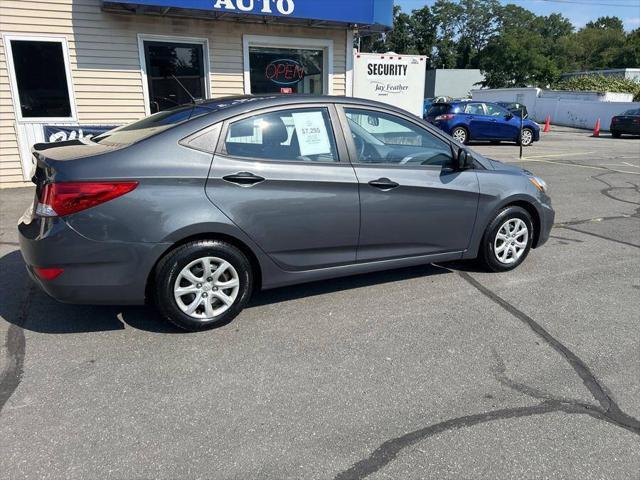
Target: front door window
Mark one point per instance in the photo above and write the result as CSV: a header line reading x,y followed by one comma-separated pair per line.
x,y
175,73
286,70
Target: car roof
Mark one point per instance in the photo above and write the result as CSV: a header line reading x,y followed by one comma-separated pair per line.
x,y
264,101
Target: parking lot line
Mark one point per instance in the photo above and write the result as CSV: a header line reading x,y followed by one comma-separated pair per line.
x,y
580,165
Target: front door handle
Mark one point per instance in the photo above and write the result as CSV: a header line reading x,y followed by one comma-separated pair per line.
x,y
244,179
383,184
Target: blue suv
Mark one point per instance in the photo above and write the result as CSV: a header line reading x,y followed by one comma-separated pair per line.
x,y
467,121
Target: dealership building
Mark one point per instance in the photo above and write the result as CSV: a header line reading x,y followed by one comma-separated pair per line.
x,y
72,68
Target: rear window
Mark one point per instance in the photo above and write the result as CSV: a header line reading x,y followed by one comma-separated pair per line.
x,y
152,125
438,109
633,111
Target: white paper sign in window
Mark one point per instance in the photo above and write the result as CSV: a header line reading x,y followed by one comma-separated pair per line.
x,y
312,133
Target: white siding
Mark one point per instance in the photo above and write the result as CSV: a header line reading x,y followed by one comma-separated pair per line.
x,y
105,64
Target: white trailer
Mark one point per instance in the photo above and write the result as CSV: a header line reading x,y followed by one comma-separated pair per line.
x,y
389,78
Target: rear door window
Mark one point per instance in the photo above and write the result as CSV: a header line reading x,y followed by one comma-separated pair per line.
x,y
303,135
474,109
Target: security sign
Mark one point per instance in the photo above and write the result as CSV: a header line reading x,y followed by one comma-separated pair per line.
x,y
394,79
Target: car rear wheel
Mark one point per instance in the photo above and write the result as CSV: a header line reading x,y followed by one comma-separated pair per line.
x,y
507,240
460,134
203,284
526,137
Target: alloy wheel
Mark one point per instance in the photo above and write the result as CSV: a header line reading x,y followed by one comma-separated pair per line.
x,y
511,241
206,288
527,137
460,135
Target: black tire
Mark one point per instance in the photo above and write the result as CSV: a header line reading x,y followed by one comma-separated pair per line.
x,y
525,144
495,142
616,134
464,135
175,261
487,255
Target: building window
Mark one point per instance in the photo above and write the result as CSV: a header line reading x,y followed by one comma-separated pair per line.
x,y
176,73
287,65
41,79
286,70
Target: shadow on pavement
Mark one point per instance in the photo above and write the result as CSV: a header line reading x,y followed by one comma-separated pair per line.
x,y
26,306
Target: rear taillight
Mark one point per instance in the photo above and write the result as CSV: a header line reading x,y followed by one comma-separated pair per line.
x,y
614,120
445,117
60,199
47,273
636,120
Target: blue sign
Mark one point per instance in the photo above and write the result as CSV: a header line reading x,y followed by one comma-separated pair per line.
x,y
362,12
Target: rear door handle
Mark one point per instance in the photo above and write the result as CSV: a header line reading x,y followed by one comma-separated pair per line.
x,y
384,184
244,179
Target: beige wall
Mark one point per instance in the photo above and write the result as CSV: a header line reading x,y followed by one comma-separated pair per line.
x,y
105,62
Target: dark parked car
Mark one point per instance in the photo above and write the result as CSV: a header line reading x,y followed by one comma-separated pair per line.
x,y
626,123
195,207
517,109
467,121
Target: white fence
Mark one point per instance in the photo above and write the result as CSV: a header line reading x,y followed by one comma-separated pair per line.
x,y
570,109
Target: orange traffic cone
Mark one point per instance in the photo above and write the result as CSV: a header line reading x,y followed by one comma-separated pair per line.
x,y
596,130
547,124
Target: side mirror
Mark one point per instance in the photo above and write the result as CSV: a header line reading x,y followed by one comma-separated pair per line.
x,y
509,116
464,160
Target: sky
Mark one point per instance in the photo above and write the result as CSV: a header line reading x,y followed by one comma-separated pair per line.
x,y
578,11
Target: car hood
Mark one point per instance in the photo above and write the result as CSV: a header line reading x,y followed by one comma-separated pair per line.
x,y
498,165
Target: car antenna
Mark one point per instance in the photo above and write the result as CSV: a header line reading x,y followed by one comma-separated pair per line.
x,y
194,100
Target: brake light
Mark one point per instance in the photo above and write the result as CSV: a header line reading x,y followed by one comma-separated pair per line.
x,y
446,116
47,273
614,120
636,120
60,199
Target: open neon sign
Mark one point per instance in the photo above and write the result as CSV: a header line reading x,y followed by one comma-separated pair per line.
x,y
285,72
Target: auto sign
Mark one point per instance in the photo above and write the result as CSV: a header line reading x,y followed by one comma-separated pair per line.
x,y
285,71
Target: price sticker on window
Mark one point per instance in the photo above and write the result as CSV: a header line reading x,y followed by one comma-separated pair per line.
x,y
312,133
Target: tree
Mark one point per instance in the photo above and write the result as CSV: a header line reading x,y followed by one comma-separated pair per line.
x,y
424,30
447,16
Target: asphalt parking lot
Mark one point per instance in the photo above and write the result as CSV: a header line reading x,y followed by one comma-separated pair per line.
x,y
435,372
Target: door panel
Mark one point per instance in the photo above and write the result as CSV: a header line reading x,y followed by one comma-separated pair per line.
x,y
302,215
430,211
411,201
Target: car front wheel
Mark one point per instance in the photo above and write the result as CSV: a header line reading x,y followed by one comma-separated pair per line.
x,y
203,284
460,134
507,240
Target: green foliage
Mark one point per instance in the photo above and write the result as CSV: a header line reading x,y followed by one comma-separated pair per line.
x,y
600,83
510,44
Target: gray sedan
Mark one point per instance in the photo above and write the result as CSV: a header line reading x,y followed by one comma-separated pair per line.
x,y
193,208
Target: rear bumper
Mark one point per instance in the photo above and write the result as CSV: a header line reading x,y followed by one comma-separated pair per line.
x,y
101,273
625,129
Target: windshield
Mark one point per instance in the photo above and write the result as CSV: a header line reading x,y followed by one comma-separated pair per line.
x,y
633,111
152,125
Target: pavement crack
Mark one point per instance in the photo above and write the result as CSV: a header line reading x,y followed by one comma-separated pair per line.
x,y
15,344
604,237
607,409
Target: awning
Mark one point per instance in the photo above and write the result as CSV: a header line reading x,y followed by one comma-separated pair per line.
x,y
374,15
